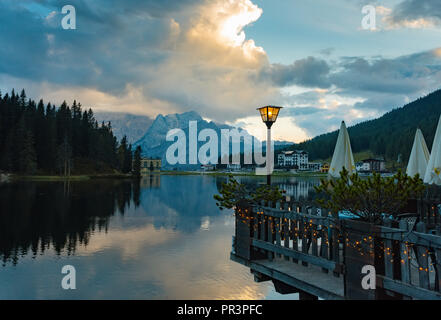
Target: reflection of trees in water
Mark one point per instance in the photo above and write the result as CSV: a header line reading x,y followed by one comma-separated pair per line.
x,y
298,188
37,215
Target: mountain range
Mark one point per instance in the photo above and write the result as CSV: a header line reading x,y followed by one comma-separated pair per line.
x,y
389,136
151,134
154,144
125,124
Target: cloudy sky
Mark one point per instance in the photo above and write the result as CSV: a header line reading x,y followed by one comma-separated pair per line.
x,y
225,58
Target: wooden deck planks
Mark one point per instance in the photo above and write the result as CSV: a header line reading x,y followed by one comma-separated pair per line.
x,y
310,279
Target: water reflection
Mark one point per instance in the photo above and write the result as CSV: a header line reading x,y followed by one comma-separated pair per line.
x,y
161,238
182,203
35,216
298,188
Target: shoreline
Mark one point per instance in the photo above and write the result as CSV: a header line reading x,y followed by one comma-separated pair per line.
x,y
85,177
80,177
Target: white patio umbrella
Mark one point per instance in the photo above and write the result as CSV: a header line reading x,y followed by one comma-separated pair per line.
x,y
342,154
419,156
433,170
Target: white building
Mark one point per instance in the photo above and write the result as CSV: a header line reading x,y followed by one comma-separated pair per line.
x,y
374,165
293,159
233,166
208,167
314,166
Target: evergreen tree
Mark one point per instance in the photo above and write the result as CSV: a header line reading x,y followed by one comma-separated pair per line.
x,y
137,162
122,155
6,159
40,134
64,157
27,158
129,159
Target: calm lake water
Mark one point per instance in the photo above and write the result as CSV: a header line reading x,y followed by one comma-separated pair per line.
x,y
161,239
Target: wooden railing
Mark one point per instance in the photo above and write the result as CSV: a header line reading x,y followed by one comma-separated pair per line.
x,y
412,260
407,259
428,212
303,233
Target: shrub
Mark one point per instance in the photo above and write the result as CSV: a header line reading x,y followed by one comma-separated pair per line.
x,y
369,199
232,193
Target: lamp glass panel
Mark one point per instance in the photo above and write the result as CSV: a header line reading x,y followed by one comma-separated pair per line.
x,y
273,112
263,114
269,113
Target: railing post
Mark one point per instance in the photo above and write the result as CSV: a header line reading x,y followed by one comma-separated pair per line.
x,y
359,252
286,232
278,230
270,227
324,237
423,259
245,229
294,231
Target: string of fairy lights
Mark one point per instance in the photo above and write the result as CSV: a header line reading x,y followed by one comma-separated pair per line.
x,y
331,231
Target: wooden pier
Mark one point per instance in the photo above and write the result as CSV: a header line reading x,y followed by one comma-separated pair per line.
x,y
304,249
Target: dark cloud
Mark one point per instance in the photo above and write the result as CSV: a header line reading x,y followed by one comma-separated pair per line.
x,y
359,76
383,83
382,102
417,9
403,75
120,43
327,51
301,111
308,72
113,45
163,55
310,97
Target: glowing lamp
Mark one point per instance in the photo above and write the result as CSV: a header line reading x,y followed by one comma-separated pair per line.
x,y
269,114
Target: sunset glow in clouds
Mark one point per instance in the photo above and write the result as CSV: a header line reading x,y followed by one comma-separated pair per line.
x,y
224,59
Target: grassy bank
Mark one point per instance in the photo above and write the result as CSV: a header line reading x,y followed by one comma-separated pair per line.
x,y
70,178
172,173
248,174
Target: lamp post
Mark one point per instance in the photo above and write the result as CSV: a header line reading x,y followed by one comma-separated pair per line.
x,y
269,116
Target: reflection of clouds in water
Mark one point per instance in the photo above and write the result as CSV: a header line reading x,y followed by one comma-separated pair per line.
x,y
183,266
130,242
175,265
175,245
205,223
191,197
203,269
143,263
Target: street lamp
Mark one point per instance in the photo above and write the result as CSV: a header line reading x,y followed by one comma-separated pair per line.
x,y
269,116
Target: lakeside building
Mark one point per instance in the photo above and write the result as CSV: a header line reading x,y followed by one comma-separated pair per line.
x,y
325,168
373,165
234,167
150,165
314,166
208,167
362,166
297,159
293,159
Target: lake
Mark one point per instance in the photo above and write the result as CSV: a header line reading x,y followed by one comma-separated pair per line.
x,y
163,238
